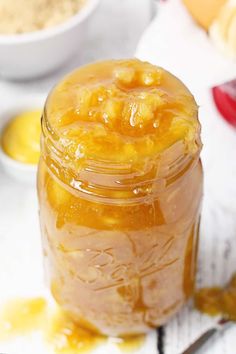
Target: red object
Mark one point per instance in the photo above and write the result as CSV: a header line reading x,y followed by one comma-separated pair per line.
x,y
225,100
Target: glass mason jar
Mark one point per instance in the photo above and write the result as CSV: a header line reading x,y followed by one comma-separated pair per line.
x,y
120,187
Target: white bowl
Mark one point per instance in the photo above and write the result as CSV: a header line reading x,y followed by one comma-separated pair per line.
x,y
22,172
30,55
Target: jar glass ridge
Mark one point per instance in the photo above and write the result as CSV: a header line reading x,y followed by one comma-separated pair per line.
x,y
149,179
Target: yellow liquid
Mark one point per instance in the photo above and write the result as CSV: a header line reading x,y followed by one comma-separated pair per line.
x,y
67,338
130,344
20,317
21,137
218,301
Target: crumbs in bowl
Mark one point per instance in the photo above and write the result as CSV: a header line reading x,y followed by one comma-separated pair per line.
x,y
35,15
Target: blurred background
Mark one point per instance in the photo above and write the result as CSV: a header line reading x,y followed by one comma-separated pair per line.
x,y
164,33
112,31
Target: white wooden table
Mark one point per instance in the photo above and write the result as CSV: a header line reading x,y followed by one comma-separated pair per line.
x,y
114,33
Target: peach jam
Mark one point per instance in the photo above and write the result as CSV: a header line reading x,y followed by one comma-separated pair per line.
x,y
120,187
